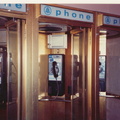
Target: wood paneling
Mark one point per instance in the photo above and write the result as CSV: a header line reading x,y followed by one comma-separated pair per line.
x,y
95,70
32,66
52,110
102,101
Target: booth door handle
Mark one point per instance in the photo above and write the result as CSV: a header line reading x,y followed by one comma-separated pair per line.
x,y
110,96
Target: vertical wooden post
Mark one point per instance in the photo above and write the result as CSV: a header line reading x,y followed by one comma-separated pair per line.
x,y
95,72
32,64
68,65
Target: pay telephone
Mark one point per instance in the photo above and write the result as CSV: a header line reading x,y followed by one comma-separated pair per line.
x,y
56,75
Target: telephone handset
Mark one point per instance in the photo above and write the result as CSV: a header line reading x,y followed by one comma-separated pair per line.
x,y
55,69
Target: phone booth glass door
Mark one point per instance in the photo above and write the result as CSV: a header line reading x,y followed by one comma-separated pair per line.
x,y
81,75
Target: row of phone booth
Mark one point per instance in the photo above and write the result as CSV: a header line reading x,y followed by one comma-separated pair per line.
x,y
49,61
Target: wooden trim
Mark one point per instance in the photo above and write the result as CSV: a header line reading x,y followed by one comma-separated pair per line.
x,y
7,14
100,19
13,11
24,64
10,23
75,31
64,21
95,71
37,10
32,66
89,63
84,74
108,14
8,68
19,68
108,27
68,66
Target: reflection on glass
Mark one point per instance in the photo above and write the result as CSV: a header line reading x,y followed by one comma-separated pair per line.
x,y
13,73
109,104
102,73
77,83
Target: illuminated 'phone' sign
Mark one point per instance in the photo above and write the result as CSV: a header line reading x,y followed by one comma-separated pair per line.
x,y
66,13
108,20
14,7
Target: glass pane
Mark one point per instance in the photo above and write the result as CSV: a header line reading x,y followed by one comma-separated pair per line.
x,y
113,63
13,73
109,104
102,43
3,82
77,83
